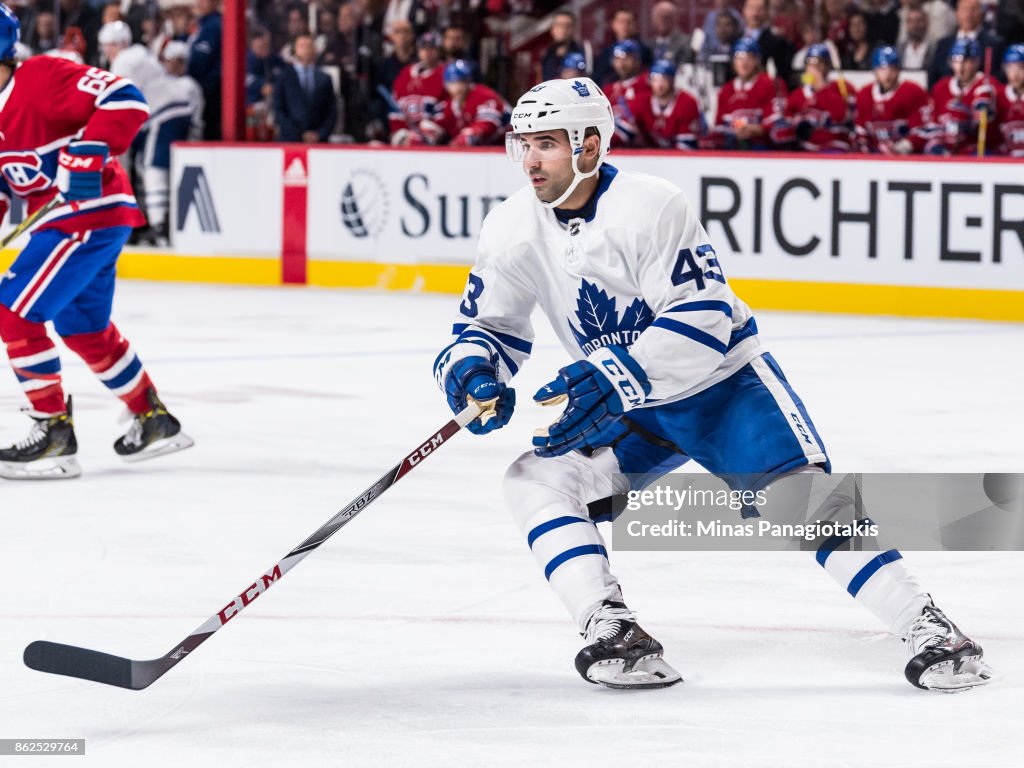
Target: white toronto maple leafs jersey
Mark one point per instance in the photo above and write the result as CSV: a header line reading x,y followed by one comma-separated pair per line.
x,y
636,270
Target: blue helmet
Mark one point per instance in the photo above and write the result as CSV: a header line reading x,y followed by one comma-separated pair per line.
x,y
821,52
576,62
10,33
885,56
458,72
665,68
626,48
746,45
1014,54
965,48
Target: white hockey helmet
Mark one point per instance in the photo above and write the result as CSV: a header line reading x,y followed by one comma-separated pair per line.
x,y
572,106
115,33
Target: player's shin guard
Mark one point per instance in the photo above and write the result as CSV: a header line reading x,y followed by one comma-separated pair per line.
x,y
112,359
34,359
544,498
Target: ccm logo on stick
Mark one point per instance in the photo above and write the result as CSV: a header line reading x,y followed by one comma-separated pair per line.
x,y
251,592
425,449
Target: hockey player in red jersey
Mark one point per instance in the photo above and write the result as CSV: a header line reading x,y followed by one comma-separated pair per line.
x,y
472,114
631,87
958,101
750,103
62,126
669,119
417,91
819,114
1011,103
890,112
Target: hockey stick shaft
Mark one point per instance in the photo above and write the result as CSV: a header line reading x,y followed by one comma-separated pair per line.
x,y
28,221
983,122
99,667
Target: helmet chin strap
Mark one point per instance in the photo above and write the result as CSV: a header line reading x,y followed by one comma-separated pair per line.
x,y
578,176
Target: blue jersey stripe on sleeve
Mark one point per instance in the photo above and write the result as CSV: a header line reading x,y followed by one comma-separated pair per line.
x,y
691,333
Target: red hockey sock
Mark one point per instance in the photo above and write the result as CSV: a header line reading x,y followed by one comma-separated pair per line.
x,y
35,361
115,363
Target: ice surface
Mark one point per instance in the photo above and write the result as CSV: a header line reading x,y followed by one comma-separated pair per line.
x,y
423,633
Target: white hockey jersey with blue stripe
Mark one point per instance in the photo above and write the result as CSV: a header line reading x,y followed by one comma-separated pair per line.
x,y
633,268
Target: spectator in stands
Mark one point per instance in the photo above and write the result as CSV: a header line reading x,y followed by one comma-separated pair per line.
x,y
749,104
728,30
916,50
631,85
772,47
669,119
941,19
403,52
836,18
819,114
857,55
455,47
787,18
297,24
339,43
668,41
305,106
713,44
262,67
573,65
624,28
968,25
883,17
176,25
81,15
416,12
417,91
563,42
43,34
471,115
111,12
204,64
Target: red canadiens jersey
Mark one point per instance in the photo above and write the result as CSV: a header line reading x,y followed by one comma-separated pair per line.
x,y
1011,121
479,119
50,102
677,124
955,119
759,101
885,118
826,113
416,94
624,95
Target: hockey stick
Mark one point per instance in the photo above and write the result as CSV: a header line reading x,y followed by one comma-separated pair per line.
x,y
28,221
983,126
70,660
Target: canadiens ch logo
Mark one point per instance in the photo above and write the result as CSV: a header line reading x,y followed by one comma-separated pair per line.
x,y
23,172
600,323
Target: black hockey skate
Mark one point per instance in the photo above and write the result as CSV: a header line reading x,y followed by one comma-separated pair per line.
x,y
48,453
621,654
153,433
942,658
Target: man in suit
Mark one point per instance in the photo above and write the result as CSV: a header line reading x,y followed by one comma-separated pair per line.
x,y
916,50
778,49
304,103
969,17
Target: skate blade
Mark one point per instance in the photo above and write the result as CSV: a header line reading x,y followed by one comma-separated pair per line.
x,y
648,672
957,675
173,444
52,468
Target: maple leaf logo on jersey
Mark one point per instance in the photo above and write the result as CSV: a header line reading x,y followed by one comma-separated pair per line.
x,y
600,323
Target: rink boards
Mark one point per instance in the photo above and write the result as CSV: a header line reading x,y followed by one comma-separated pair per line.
x,y
921,237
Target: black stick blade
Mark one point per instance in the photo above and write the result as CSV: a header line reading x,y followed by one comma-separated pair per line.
x,y
69,660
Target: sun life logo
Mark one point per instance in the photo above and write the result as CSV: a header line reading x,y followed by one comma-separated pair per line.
x,y
364,204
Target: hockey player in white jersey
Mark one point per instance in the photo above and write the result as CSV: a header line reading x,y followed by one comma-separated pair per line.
x,y
173,108
667,367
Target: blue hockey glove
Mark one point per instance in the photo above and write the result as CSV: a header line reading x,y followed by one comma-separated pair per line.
x,y
477,377
599,390
80,170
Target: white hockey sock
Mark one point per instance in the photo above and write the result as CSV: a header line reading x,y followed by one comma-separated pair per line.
x,y
547,500
881,582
